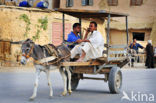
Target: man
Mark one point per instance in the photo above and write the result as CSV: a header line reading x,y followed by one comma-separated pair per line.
x,y
149,55
91,47
135,45
74,35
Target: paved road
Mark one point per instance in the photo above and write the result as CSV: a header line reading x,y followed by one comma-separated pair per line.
x,y
17,87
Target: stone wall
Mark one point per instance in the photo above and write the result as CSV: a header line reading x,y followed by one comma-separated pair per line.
x,y
12,28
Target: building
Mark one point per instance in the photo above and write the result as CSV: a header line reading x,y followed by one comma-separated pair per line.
x,y
20,23
142,23
13,28
142,17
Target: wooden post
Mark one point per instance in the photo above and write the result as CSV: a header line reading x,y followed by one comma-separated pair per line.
x,y
108,32
81,26
108,28
127,30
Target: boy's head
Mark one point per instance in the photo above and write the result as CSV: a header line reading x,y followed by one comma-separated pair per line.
x,y
77,27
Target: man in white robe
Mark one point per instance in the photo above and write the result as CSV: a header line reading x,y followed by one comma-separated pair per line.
x,y
91,47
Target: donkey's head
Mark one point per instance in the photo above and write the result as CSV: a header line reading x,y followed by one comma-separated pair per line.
x,y
27,49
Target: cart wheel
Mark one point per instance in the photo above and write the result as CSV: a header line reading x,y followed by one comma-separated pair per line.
x,y
74,81
115,80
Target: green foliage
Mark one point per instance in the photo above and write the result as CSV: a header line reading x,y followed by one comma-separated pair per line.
x,y
37,36
43,24
26,19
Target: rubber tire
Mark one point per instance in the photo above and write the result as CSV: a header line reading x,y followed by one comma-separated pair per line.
x,y
74,81
111,80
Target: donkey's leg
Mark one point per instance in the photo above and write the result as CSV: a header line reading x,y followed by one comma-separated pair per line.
x,y
69,80
64,77
49,83
35,85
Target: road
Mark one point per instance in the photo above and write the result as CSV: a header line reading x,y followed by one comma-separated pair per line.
x,y
17,87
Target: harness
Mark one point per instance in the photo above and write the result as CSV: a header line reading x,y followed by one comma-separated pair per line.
x,y
55,56
28,55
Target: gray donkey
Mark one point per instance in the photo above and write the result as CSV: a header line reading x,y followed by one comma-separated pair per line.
x,y
37,52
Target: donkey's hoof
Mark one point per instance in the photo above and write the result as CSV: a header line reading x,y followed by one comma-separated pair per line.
x,y
70,92
31,99
64,94
50,97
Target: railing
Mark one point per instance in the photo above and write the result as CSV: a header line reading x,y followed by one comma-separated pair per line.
x,y
117,53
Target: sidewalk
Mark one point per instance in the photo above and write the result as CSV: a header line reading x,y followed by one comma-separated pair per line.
x,y
17,69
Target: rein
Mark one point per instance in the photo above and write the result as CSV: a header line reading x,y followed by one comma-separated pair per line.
x,y
50,63
28,55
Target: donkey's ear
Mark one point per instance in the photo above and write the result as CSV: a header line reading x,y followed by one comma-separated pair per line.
x,y
27,40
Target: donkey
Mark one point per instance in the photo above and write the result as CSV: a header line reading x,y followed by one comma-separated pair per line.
x,y
37,52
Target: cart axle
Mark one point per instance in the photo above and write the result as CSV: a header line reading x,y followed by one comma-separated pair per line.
x,y
95,78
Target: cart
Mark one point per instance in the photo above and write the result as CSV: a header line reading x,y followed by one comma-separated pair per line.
x,y
116,56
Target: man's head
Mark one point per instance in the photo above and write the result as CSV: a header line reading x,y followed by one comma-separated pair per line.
x,y
92,26
77,27
149,41
134,40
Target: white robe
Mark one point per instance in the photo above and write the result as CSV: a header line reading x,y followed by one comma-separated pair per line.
x,y
93,49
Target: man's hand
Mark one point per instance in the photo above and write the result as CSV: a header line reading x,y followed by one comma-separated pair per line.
x,y
79,41
87,32
85,40
82,40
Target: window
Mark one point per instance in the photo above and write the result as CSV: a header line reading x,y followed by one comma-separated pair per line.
x,y
57,32
138,36
69,3
112,2
136,2
87,2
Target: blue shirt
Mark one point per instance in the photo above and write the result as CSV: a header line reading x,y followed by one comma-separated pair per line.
x,y
136,46
72,37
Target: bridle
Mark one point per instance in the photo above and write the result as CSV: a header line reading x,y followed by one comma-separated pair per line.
x,y
28,55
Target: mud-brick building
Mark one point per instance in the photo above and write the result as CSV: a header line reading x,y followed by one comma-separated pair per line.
x,y
142,17
18,24
43,26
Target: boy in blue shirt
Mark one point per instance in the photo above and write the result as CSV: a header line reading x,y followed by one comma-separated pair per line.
x,y
74,36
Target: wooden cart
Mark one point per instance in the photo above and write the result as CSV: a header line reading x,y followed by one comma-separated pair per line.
x,y
115,56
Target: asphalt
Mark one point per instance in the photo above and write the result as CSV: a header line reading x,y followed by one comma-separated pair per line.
x,y
17,87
